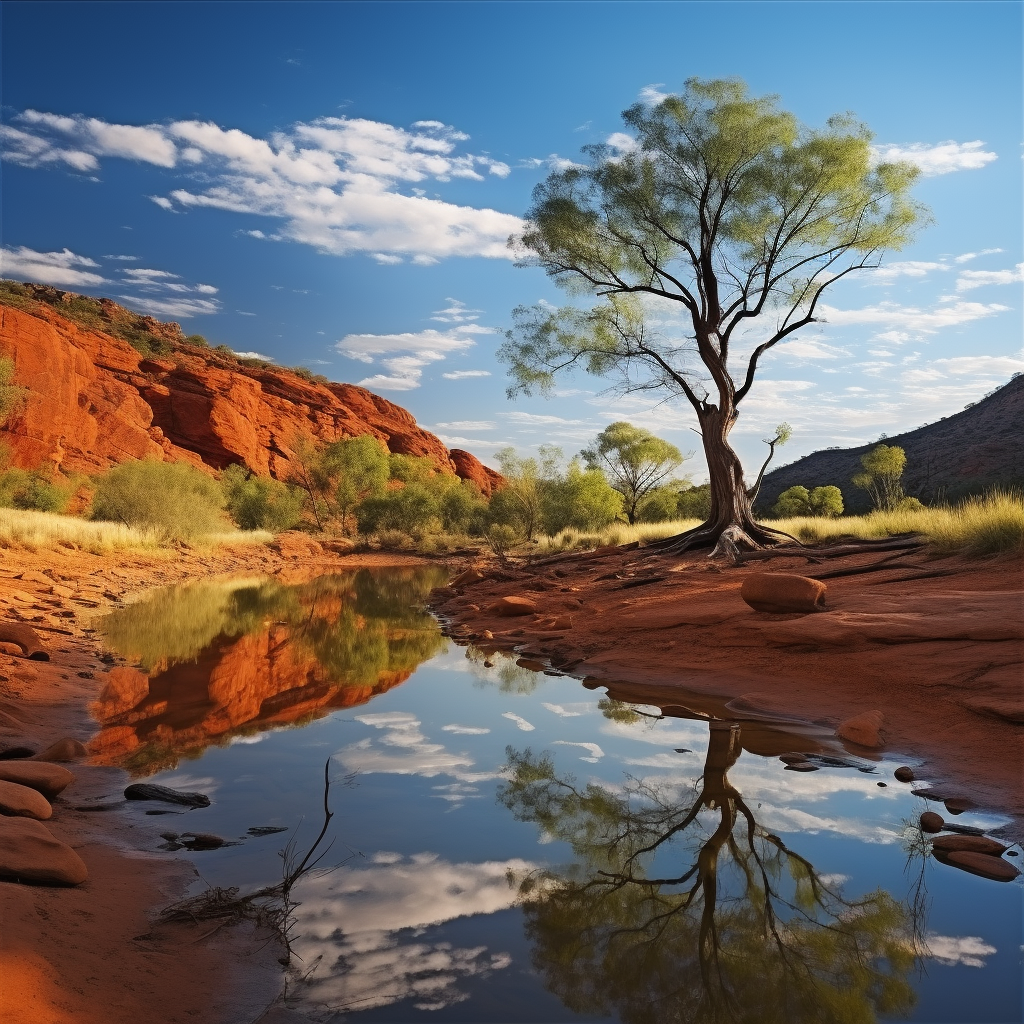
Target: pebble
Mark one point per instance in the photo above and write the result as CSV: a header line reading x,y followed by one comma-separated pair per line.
x,y
864,729
931,822
30,853
904,774
23,802
801,766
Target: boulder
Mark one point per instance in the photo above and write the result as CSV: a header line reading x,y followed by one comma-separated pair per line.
x,y
150,791
973,844
994,868
931,822
294,544
780,593
30,853
904,774
513,606
467,576
18,801
793,758
958,804
339,546
25,637
66,749
864,729
48,779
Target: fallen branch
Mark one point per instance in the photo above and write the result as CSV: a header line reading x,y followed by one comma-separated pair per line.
x,y
838,551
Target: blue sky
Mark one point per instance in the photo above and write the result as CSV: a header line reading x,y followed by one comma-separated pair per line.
x,y
331,184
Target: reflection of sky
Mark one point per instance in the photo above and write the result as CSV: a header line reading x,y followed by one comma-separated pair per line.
x,y
429,755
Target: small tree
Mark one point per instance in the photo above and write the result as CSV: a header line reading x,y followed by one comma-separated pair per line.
x,y
883,469
518,503
695,502
798,501
259,503
783,432
720,209
579,499
659,506
635,460
361,466
11,394
411,509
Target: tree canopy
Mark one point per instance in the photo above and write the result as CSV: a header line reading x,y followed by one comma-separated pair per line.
x,y
709,235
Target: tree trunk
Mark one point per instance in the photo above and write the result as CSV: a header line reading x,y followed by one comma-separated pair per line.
x,y
731,525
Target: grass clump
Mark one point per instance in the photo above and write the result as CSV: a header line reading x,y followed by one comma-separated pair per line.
x,y
174,499
35,530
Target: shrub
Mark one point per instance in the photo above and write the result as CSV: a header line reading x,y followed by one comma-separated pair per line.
x,y
798,501
695,503
33,492
580,499
198,340
409,509
659,506
259,503
11,395
462,508
175,499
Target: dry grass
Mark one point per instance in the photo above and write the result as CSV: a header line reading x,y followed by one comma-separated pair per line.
x,y
986,525
43,530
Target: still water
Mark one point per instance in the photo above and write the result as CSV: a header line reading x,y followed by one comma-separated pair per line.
x,y
511,846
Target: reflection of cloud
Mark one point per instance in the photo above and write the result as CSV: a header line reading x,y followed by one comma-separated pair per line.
x,y
570,710
951,950
352,918
521,722
596,753
465,730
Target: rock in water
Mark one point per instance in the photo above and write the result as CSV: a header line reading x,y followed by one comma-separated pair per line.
x,y
66,749
864,730
30,853
931,822
904,774
783,592
149,791
513,606
48,779
23,802
972,844
994,868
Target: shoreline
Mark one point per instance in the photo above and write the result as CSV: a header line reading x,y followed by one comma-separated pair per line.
x,y
93,954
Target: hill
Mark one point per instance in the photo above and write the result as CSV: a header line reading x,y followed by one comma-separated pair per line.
x,y
967,453
104,384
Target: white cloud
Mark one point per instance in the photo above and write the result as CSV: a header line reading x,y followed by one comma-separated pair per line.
x,y
333,181
467,425
180,309
572,711
387,259
465,374
520,722
595,752
951,950
255,355
138,275
942,158
456,313
652,94
903,268
122,257
968,256
539,419
970,279
621,142
56,268
911,318
553,162
465,730
992,366
809,348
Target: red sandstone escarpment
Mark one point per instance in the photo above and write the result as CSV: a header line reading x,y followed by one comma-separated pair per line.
x,y
93,400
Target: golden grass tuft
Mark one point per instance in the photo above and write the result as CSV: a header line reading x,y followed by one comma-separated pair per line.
x,y
44,530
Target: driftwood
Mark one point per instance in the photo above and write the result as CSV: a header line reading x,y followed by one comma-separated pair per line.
x,y
26,638
903,544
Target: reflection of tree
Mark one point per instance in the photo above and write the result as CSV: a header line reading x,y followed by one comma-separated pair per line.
x,y
696,913
495,668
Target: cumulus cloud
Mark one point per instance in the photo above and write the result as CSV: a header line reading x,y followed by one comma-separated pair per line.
x,y
467,425
951,950
970,279
335,182
902,268
521,723
943,158
652,94
56,268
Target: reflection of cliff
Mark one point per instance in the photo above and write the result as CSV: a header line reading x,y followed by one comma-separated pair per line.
x,y
342,640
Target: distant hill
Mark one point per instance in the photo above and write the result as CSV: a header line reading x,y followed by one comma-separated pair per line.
x,y
966,453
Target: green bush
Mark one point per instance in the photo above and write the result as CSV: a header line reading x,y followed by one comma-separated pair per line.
x,y
11,395
581,499
174,498
259,503
462,508
798,501
198,340
659,506
695,503
32,491
411,509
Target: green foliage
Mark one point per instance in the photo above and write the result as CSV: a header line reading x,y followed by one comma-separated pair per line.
x,y
259,503
695,502
358,467
579,499
198,340
883,469
411,509
34,491
11,394
518,503
174,498
658,506
798,501
636,461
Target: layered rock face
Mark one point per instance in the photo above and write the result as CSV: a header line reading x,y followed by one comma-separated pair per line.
x,y
93,401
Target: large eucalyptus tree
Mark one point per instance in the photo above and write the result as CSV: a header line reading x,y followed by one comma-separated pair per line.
x,y
724,218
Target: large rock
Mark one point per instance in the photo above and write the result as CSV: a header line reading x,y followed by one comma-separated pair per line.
x,y
30,853
150,791
931,822
865,730
19,801
972,844
781,592
48,779
983,864
24,636
96,402
513,606
295,544
66,749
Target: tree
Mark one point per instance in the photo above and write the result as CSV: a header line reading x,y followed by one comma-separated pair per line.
x,y
695,913
518,503
361,466
259,503
579,499
721,210
783,432
635,460
883,468
798,501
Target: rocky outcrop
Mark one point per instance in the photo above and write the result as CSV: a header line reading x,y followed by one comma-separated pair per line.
x,y
94,400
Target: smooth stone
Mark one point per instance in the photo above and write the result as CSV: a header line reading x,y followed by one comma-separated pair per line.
x,y
48,779
65,749
864,729
23,802
974,844
958,804
801,766
904,774
782,593
931,822
994,868
200,841
508,606
150,791
30,853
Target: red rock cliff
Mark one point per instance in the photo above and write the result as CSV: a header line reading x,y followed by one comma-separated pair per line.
x,y
93,401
